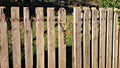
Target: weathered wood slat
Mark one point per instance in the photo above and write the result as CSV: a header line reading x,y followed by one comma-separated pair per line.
x,y
119,51
61,37
0,47
86,38
77,47
102,38
94,38
16,48
51,37
115,40
40,37
4,41
109,38
28,39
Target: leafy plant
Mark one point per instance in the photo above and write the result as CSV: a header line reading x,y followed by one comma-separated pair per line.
x,y
110,3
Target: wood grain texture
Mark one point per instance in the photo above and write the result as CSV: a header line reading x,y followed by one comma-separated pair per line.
x,y
102,38
86,38
94,38
0,46
119,51
4,41
115,40
0,39
40,37
77,47
16,48
109,38
51,37
28,39
61,37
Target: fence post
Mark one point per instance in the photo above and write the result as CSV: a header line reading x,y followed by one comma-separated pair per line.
x,y
40,37
16,48
115,40
51,37
77,47
102,38
94,38
86,38
28,39
62,37
3,40
109,38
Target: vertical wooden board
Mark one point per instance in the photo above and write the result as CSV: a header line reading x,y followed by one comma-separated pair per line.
x,y
40,37
115,40
94,38
77,47
86,38
4,41
51,37
0,46
16,48
109,38
119,51
102,38
61,37
28,39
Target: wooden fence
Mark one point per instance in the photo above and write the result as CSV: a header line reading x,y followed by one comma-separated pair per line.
x,y
95,38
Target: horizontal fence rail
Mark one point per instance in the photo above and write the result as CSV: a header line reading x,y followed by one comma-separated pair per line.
x,y
95,38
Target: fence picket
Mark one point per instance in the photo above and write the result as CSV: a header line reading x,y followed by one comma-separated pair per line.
x,y
77,47
4,41
61,37
109,38
16,36
40,37
86,38
115,40
51,37
102,38
0,46
28,39
94,38
119,51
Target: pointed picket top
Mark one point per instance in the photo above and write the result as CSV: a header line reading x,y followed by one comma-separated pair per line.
x,y
87,9
2,15
39,13
2,8
15,14
61,12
